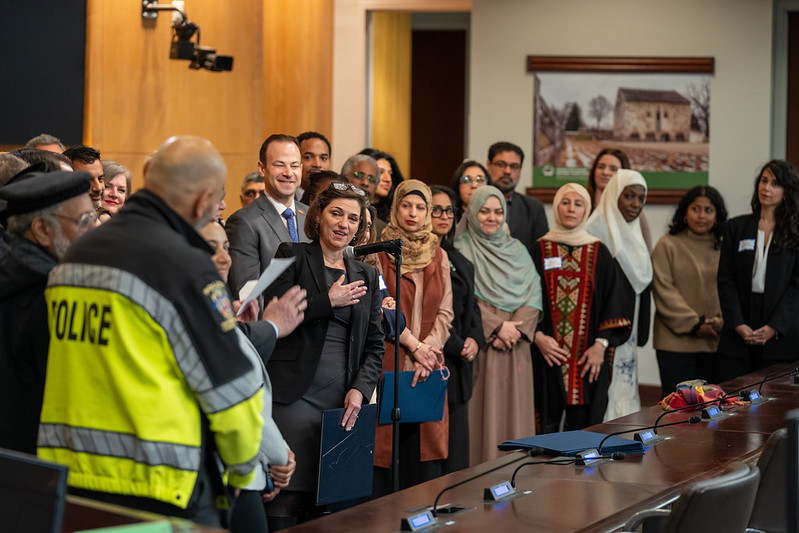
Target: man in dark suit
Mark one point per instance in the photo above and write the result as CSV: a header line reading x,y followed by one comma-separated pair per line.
x,y
525,217
257,230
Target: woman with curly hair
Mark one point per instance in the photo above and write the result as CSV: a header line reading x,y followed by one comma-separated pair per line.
x,y
688,315
389,177
758,277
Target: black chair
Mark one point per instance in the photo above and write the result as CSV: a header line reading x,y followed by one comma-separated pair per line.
x,y
32,494
723,503
771,512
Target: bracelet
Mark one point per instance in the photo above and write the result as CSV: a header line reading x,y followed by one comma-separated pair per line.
x,y
603,342
418,345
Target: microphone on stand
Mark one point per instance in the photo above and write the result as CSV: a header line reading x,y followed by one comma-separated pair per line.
x,y
390,247
642,437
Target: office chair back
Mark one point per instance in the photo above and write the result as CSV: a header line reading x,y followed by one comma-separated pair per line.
x,y
770,512
723,503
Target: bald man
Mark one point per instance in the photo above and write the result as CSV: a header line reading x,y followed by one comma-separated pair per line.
x,y
147,376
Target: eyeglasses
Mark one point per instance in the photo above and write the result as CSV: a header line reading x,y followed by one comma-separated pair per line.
x,y
364,176
502,165
83,222
347,186
253,193
468,180
439,211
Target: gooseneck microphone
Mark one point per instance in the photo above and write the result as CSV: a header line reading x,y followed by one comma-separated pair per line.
x,y
692,420
771,377
552,462
391,247
535,450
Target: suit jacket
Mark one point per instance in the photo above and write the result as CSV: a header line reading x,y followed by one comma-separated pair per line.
x,y
780,298
255,232
466,322
294,361
527,219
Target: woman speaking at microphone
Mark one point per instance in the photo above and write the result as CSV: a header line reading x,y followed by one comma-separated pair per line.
x,y
333,358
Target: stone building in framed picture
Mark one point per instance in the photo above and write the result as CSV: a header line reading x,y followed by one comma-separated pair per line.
x,y
651,115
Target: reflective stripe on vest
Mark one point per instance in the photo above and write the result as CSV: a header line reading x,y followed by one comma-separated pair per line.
x,y
122,445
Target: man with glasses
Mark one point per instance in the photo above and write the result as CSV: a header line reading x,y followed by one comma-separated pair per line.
x,y
251,188
44,214
362,171
526,217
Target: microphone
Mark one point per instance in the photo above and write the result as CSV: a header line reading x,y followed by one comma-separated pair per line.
x,y
552,462
771,377
589,457
445,489
391,247
692,420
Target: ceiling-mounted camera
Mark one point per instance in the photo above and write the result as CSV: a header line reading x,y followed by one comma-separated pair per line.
x,y
183,31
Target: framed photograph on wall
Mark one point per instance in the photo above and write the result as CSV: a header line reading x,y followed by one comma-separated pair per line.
x,y
656,110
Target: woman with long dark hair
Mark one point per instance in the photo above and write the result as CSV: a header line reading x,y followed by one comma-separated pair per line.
x,y
758,276
389,177
688,313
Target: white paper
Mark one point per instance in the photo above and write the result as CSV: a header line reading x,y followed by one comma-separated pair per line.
x,y
275,268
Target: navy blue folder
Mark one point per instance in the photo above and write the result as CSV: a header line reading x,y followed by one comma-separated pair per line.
x,y
422,403
570,443
346,457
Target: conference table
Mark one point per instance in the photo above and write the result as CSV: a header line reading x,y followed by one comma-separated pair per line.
x,y
591,499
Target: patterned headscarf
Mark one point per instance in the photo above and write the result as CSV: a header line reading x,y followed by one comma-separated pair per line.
x,y
420,245
504,273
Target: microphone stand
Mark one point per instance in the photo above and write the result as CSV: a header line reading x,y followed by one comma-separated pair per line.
x,y
395,411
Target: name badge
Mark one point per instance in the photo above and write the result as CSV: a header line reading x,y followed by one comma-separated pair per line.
x,y
746,244
552,262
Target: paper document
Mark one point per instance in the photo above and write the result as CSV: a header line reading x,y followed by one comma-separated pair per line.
x,y
253,289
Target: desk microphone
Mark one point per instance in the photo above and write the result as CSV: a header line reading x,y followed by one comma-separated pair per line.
x,y
535,450
552,462
733,393
390,247
692,420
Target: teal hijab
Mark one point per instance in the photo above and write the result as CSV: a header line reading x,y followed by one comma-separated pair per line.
x,y
504,273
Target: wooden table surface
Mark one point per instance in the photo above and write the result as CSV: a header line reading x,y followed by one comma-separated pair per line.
x,y
568,498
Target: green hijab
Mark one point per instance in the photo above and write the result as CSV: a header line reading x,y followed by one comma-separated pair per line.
x,y
504,273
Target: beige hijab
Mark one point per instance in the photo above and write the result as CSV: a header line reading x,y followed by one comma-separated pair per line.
x,y
576,236
420,245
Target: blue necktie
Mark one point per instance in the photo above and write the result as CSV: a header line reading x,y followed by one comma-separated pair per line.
x,y
288,214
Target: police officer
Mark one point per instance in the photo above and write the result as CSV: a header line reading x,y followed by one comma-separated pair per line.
x,y
146,377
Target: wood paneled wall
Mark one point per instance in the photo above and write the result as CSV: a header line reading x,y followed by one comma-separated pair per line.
x,y
136,97
391,86
298,66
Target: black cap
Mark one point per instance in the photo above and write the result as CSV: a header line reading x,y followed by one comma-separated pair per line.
x,y
37,190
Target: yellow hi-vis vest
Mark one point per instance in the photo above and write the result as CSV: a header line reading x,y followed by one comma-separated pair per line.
x,y
126,391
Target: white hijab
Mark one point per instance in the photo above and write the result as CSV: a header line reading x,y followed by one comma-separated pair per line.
x,y
624,239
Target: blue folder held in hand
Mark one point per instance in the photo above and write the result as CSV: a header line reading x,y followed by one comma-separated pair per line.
x,y
422,403
346,458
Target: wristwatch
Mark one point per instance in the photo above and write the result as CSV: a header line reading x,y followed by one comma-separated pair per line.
x,y
603,342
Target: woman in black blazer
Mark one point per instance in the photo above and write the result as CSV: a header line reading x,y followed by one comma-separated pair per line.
x,y
466,334
758,276
334,357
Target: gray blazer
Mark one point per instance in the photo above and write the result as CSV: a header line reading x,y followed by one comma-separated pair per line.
x,y
255,232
